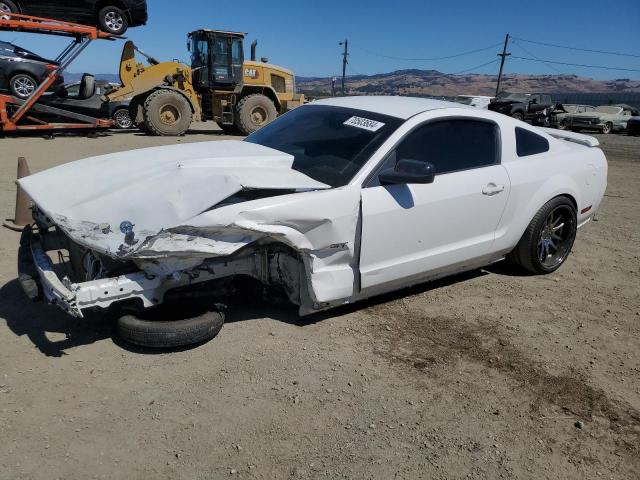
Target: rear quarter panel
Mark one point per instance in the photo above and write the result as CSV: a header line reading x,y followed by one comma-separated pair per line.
x,y
569,169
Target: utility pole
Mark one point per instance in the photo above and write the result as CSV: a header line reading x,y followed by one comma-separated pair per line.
x,y
503,56
345,54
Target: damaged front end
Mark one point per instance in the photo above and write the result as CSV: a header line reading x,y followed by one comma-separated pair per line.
x,y
53,267
192,219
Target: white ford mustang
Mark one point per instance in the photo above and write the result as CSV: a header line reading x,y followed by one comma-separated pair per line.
x,y
333,202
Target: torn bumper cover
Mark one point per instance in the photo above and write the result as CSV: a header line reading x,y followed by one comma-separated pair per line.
x,y
39,279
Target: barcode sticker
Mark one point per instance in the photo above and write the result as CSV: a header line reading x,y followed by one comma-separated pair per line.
x,y
364,123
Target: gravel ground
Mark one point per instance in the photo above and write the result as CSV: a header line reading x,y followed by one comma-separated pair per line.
x,y
483,375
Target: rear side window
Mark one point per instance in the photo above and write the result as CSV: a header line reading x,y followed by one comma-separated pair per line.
x,y
529,143
452,145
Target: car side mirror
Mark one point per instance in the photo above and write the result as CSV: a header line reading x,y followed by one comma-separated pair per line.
x,y
408,171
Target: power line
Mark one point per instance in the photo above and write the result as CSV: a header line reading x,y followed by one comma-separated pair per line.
x,y
621,54
578,64
427,59
466,70
527,52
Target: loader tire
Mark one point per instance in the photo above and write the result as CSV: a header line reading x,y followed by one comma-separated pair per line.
x,y
167,113
169,333
254,112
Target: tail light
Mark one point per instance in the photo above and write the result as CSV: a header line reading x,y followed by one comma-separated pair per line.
x,y
50,66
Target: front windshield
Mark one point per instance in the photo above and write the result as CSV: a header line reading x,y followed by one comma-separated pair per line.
x,y
329,144
514,97
609,109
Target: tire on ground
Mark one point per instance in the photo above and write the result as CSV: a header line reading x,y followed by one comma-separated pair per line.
x,y
167,113
525,255
517,116
169,333
253,112
113,20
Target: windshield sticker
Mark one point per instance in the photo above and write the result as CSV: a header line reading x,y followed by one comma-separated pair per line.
x,y
364,123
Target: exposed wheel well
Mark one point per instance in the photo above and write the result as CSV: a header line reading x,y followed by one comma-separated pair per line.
x,y
570,198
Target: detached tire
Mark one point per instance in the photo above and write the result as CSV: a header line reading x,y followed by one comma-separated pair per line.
x,y
254,112
167,113
548,240
170,334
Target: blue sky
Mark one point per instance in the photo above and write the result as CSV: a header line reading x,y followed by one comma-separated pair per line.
x,y
304,36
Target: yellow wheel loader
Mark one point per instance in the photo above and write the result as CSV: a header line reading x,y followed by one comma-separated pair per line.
x,y
240,96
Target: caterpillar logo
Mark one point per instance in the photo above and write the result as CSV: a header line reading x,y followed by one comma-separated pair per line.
x,y
251,73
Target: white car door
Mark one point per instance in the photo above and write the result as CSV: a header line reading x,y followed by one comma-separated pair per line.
x,y
409,230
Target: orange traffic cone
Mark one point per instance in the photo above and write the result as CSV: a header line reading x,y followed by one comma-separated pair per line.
x,y
22,216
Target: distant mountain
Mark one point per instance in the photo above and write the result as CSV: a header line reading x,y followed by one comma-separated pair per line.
x,y
434,83
70,77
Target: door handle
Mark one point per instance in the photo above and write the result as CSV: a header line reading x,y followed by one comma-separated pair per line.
x,y
492,189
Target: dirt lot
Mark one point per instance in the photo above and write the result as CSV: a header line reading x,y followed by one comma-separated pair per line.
x,y
483,375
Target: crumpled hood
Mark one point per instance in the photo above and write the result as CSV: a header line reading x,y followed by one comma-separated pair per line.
x,y
156,188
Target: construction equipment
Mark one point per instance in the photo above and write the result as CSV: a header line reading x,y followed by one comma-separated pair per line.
x,y
240,96
18,114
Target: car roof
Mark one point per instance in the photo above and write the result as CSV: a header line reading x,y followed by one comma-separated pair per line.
x,y
400,107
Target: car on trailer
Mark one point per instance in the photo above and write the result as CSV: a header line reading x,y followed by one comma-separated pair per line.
x,y
87,97
21,71
334,202
112,16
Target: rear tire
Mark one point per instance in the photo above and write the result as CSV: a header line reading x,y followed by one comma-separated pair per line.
x,y
22,85
113,20
254,112
122,119
547,241
171,333
167,113
607,128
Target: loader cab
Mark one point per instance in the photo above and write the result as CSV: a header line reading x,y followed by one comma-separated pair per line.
x,y
216,58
